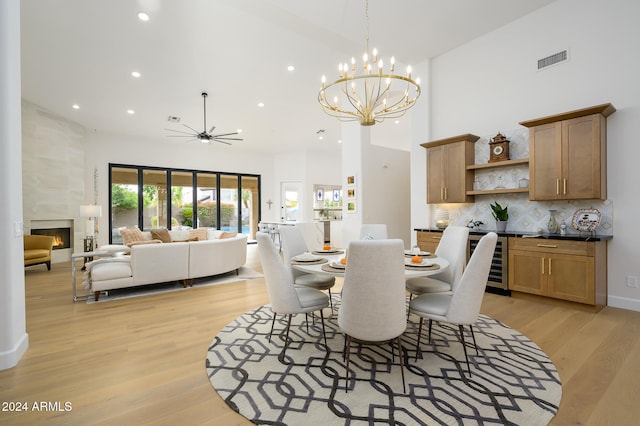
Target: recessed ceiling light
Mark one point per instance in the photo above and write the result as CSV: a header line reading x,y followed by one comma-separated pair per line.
x,y
320,137
75,106
239,130
130,112
135,74
143,16
291,68
397,121
339,140
261,104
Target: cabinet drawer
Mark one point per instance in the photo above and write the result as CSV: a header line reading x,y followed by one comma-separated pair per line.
x,y
580,248
428,241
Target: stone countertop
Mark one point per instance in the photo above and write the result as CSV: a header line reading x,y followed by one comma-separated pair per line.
x,y
517,234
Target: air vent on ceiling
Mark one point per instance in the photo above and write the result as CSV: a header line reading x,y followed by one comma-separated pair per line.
x,y
173,119
556,58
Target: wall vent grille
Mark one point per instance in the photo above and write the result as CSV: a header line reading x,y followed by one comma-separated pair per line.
x,y
554,59
173,119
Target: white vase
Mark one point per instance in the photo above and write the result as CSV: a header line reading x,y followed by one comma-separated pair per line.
x,y
501,225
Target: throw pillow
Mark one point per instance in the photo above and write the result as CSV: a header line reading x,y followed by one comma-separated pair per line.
x,y
200,234
228,234
131,235
161,234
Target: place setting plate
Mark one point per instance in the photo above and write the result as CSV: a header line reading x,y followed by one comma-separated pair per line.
x,y
424,264
330,251
307,259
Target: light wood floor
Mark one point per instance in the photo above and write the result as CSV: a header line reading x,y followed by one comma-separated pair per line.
x,y
141,360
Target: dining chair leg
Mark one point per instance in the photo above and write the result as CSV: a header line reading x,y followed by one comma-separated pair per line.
x,y
306,321
404,388
474,339
464,346
273,322
419,335
430,323
324,333
330,301
286,337
347,353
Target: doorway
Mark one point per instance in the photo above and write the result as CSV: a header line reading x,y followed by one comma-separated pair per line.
x,y
291,201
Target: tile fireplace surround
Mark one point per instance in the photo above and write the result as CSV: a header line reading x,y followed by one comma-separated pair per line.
x,y
59,255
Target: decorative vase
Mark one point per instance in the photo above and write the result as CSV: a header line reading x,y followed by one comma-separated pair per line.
x,y
552,224
501,225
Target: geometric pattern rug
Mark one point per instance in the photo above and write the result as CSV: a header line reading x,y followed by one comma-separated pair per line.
x,y
512,382
244,273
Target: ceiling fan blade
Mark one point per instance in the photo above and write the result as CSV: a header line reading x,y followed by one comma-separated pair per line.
x,y
211,129
192,129
181,136
226,143
227,139
225,134
178,131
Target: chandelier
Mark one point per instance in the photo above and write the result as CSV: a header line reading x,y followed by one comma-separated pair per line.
x,y
371,94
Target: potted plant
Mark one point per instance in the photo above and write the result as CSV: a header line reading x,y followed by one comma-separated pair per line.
x,y
501,215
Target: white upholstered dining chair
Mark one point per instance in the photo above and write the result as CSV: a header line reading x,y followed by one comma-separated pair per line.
x,y
462,307
373,296
453,247
284,297
373,231
293,244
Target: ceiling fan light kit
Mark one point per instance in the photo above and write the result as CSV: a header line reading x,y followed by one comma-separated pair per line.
x,y
372,95
205,136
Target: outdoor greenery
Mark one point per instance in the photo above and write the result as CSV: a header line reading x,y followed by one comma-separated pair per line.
x,y
207,214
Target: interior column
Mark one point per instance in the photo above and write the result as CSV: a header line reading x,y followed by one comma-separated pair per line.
x,y
14,340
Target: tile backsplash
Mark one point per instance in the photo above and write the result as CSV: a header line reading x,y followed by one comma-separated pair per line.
x,y
524,215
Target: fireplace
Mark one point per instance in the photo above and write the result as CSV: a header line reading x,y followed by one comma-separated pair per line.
x,y
61,236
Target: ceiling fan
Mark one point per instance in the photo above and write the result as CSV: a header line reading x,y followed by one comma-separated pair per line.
x,y
204,136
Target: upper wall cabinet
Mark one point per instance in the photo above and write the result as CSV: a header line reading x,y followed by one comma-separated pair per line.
x,y
448,179
567,155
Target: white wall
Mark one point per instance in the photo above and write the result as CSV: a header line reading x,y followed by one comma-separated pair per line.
x,y
492,83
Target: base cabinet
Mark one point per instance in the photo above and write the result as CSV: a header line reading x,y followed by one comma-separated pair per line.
x,y
428,241
568,270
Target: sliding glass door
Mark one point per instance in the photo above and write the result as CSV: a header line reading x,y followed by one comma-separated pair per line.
x,y
153,197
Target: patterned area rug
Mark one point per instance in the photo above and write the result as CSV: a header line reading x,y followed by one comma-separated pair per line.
x,y
512,381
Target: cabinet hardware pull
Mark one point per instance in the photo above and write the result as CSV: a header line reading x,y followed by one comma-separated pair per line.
x,y
445,192
542,265
549,266
547,245
564,186
442,192
557,186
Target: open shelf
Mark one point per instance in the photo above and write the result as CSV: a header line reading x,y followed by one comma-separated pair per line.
x,y
498,191
498,164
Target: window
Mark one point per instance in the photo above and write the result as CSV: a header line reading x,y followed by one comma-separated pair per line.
x,y
153,197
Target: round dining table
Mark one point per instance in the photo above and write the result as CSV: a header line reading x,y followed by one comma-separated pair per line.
x,y
431,264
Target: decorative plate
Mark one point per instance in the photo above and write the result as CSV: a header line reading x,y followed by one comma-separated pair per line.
x,y
586,220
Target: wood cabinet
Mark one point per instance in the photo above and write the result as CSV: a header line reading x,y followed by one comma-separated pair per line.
x,y
567,155
428,240
568,270
448,178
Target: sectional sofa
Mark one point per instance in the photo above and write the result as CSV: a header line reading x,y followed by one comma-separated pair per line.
x,y
183,258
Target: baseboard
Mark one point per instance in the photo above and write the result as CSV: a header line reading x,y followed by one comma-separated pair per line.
x,y
624,303
10,358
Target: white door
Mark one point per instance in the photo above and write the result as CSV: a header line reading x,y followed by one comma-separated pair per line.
x,y
291,201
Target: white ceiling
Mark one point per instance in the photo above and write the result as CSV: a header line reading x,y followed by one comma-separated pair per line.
x,y
83,51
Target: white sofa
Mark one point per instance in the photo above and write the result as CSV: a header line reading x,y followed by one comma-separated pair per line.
x,y
164,262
